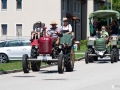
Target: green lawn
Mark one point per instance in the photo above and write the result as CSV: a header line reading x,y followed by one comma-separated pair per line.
x,y
79,56
83,48
12,65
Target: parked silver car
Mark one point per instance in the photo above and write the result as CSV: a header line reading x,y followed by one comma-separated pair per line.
x,y
14,49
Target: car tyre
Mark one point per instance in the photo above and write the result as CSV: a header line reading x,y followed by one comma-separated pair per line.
x,y
61,64
3,58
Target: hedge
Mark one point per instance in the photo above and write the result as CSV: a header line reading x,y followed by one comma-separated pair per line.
x,y
83,42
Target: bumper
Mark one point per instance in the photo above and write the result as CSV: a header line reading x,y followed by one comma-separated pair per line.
x,y
43,58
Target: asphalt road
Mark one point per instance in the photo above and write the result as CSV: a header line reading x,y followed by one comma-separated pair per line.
x,y
101,75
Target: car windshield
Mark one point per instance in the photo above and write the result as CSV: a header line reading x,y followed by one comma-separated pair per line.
x,y
2,44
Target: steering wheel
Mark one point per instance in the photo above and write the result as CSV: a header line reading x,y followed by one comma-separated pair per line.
x,y
49,33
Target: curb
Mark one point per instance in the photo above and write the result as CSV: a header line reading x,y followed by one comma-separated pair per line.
x,y
20,70
79,59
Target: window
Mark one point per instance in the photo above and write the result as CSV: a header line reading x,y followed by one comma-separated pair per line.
x,y
4,29
67,5
4,4
18,29
63,4
25,43
78,7
12,43
75,7
19,4
2,44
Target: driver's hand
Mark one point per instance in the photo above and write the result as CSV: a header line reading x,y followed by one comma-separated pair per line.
x,y
55,32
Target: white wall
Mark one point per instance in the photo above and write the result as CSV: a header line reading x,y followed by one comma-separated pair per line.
x,y
90,5
32,11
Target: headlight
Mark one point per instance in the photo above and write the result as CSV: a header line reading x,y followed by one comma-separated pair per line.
x,y
101,53
36,46
60,46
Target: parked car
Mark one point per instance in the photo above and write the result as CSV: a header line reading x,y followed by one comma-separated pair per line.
x,y
14,49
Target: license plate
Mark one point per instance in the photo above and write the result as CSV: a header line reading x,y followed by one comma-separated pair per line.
x,y
101,53
44,57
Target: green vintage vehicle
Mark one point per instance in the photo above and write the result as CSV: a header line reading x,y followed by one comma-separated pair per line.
x,y
98,47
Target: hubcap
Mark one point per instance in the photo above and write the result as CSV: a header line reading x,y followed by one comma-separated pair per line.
x,y
3,58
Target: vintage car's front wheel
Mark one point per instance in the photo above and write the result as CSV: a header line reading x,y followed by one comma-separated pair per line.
x,y
25,63
61,64
86,58
112,57
35,65
69,59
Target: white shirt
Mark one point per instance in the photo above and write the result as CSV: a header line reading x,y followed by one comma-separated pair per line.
x,y
69,27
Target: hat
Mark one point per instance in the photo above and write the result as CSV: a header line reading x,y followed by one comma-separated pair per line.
x,y
65,19
53,22
38,22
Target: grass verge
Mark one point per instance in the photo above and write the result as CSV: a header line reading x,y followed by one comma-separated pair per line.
x,y
79,56
12,65
83,48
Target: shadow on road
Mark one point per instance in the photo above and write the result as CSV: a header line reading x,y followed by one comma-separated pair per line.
x,y
23,76
104,61
52,71
55,79
46,71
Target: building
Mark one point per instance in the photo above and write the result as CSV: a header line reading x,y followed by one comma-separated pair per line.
x,y
18,16
88,6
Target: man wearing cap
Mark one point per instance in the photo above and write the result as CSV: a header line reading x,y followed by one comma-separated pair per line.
x,y
37,29
54,30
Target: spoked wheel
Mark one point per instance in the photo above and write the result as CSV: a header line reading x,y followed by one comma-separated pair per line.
x,y
61,64
86,58
112,57
69,59
3,58
35,65
25,63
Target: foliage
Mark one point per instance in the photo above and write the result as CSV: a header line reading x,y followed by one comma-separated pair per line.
x,y
83,42
83,47
115,5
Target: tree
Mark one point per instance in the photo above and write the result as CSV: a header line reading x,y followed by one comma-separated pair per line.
x,y
115,5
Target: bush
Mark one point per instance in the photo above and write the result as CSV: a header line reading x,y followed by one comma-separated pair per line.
x,y
83,42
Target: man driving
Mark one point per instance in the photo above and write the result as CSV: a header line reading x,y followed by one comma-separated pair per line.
x,y
54,31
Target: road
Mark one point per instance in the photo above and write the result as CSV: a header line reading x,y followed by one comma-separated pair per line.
x,y
101,75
